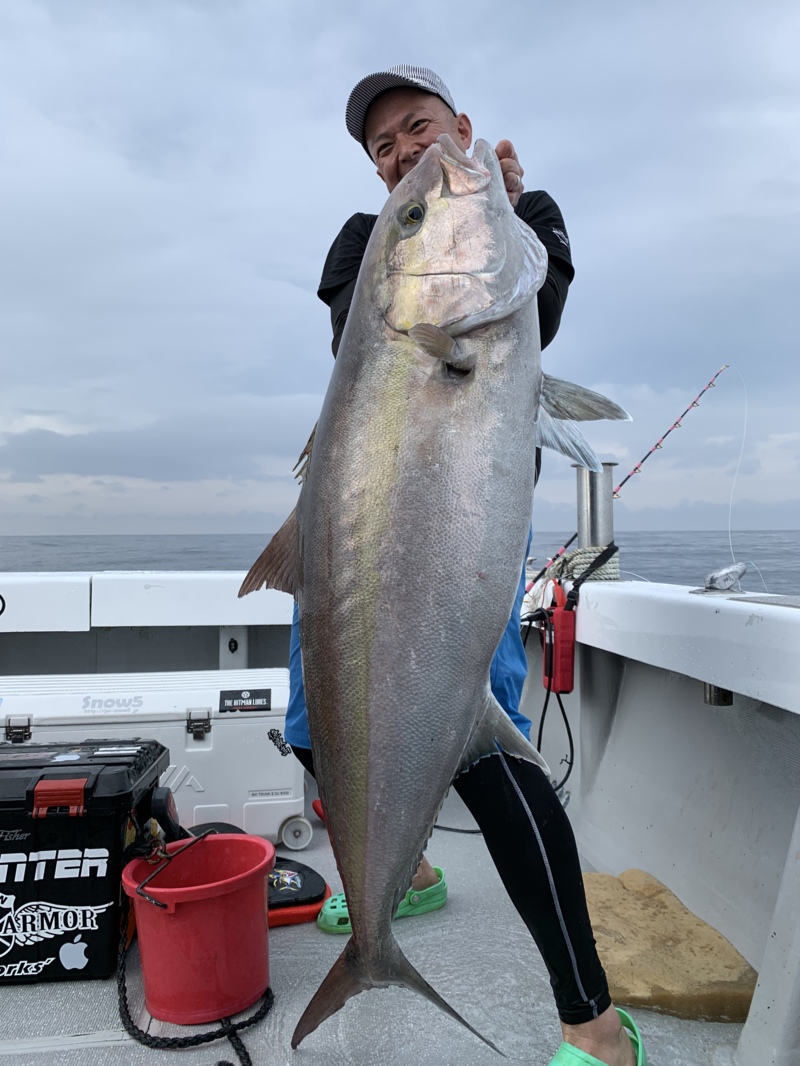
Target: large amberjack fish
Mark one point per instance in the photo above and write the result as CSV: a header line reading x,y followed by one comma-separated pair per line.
x,y
408,539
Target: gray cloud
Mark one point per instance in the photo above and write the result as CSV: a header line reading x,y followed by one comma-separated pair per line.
x,y
172,175
228,440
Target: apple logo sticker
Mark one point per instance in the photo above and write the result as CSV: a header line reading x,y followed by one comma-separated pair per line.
x,y
73,956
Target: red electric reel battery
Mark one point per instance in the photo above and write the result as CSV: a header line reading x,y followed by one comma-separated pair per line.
x,y
558,662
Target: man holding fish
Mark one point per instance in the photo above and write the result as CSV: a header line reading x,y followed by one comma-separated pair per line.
x,y
443,306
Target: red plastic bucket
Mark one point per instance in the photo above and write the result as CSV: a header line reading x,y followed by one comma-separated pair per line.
x,y
205,955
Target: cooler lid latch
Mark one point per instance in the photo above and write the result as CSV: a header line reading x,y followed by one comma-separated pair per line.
x,y
18,729
198,721
66,792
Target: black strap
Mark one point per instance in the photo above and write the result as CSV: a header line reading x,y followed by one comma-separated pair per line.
x,y
607,553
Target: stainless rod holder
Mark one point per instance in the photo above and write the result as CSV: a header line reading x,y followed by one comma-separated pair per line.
x,y
595,506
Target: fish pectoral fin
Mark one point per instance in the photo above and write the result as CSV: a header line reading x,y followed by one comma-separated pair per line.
x,y
350,975
438,344
563,399
565,437
277,567
495,729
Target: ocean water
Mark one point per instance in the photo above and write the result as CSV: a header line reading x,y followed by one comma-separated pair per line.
x,y
681,558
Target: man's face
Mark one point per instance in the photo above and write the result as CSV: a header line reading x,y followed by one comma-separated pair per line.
x,y
402,123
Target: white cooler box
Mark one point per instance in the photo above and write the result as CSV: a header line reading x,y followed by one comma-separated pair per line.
x,y
223,729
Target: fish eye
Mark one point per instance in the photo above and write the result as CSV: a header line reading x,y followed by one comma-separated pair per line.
x,y
412,214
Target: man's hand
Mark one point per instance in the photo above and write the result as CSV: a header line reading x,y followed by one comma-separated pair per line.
x,y
512,171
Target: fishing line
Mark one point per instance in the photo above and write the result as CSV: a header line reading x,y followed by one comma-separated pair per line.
x,y
763,582
616,494
638,468
733,485
738,464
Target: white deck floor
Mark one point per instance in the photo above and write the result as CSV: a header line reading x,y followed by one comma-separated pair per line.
x,y
476,952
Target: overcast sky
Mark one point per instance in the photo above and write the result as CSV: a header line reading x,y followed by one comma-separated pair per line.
x,y
172,173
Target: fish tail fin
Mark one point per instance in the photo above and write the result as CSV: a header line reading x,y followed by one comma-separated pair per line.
x,y
346,978
409,978
350,975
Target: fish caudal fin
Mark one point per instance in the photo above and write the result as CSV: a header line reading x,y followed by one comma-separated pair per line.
x,y
495,729
408,977
345,979
349,976
277,566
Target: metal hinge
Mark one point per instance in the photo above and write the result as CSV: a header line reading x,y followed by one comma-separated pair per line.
x,y
19,730
198,721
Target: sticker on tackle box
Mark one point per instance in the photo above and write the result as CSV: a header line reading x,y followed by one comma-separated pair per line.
x,y
247,699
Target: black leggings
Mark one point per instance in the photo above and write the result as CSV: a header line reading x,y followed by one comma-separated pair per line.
x,y
533,847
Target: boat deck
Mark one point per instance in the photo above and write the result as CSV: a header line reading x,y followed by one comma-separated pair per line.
x,y
476,952
717,786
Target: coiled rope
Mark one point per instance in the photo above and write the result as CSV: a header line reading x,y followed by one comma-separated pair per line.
x,y
571,565
576,562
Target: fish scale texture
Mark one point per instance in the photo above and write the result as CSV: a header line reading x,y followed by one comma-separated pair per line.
x,y
414,520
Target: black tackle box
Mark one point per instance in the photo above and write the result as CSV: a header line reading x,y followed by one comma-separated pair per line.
x,y
67,813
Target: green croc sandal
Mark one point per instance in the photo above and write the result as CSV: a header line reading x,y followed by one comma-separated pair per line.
x,y
335,917
567,1055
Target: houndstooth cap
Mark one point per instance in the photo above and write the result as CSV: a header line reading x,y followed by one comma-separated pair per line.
x,y
401,76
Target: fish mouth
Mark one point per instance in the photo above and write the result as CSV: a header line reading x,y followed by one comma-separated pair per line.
x,y
477,275
463,174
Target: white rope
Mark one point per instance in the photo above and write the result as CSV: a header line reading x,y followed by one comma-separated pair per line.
x,y
574,563
571,565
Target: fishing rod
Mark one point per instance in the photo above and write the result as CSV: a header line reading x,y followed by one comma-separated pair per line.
x,y
636,470
675,425
552,621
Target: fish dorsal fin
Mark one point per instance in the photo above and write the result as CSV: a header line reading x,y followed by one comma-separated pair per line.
x,y
494,728
277,567
301,466
563,399
565,437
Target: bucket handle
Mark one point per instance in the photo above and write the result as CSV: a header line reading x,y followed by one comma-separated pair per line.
x,y
166,859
